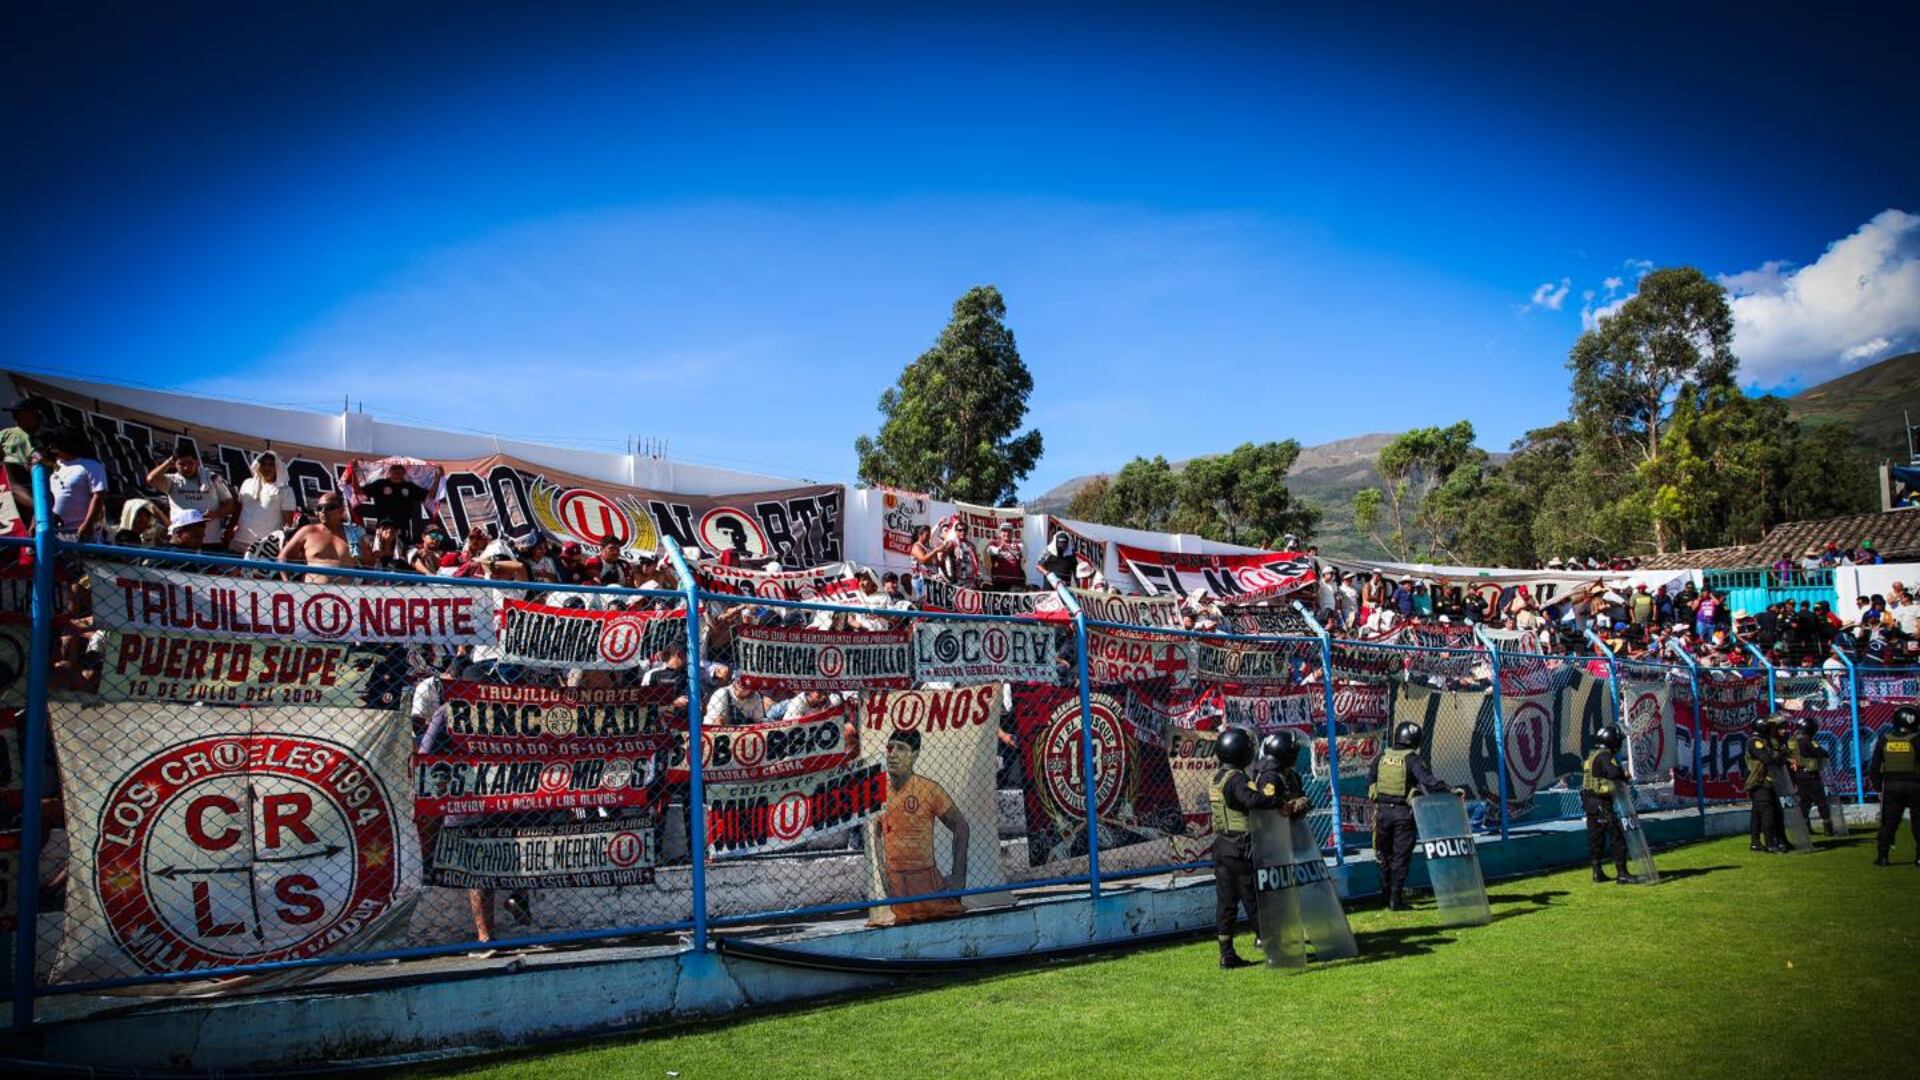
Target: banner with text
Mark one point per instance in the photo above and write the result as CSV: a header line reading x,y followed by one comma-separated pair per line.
x,y
1231,578
540,635
1132,783
949,781
146,598
769,657
214,837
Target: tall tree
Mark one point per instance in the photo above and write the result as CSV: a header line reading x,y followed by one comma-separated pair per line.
x,y
1241,497
949,423
1672,341
1430,475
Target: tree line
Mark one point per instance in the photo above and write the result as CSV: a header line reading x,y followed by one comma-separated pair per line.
x,y
1660,451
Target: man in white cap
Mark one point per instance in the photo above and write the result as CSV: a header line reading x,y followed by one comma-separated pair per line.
x,y
187,528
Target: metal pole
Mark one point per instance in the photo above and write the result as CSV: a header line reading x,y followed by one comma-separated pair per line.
x,y
1499,722
696,788
1089,767
1699,728
34,749
1613,690
1773,702
1333,731
1853,711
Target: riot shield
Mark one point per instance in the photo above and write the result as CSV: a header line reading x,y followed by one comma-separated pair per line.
x,y
1639,856
1300,917
1791,815
1453,865
1329,937
1837,812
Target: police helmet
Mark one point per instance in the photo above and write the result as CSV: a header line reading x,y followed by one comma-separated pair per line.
x,y
1406,735
1610,737
1234,748
1809,726
1281,748
1906,720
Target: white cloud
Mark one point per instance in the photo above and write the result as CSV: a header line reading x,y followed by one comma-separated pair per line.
x,y
1551,296
1858,301
1613,285
1866,350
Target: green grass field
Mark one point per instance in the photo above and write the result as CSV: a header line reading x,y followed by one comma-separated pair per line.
x,y
1739,965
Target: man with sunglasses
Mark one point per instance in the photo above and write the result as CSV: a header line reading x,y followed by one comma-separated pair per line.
x,y
323,543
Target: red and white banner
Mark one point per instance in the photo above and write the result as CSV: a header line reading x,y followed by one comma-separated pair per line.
x,y
828,583
206,838
186,667
977,651
544,636
746,753
145,598
1230,578
541,722
766,656
772,815
1115,656
902,513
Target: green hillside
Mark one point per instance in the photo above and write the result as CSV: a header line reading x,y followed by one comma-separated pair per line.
x,y
1869,401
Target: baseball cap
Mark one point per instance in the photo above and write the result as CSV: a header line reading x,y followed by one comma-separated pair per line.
x,y
184,518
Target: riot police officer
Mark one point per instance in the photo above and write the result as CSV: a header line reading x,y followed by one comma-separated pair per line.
x,y
1896,773
1808,757
1765,830
1395,777
1603,776
1231,795
1277,764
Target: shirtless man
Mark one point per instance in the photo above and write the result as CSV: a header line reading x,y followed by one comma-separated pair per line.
x,y
322,544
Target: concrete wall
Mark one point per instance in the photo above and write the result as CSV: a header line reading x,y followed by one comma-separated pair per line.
x,y
513,1001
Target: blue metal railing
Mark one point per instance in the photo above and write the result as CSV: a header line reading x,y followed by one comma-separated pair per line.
x,y
47,549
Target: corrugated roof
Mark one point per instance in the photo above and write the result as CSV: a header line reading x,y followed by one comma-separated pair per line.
x,y
1895,534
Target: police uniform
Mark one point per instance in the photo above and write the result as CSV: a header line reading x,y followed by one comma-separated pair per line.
x,y
1765,830
1603,777
1231,795
1896,773
1393,779
1808,757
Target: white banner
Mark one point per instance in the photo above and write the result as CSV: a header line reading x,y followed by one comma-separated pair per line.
x,y
145,598
545,636
955,765
828,583
945,650
1245,576
205,838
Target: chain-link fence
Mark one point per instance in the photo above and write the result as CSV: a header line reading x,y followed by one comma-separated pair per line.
x,y
252,770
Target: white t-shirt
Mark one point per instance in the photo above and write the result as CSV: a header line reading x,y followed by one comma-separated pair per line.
x,y
73,487
205,492
1907,615
264,506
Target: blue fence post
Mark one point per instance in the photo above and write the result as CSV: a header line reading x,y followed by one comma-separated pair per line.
x,y
1773,686
1699,729
1613,686
1333,730
696,788
1853,711
1089,767
1499,722
33,750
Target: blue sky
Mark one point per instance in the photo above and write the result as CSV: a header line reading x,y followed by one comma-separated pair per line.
x,y
729,230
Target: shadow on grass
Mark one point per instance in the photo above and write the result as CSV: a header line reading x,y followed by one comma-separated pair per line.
x,y
1685,872
1392,944
1539,901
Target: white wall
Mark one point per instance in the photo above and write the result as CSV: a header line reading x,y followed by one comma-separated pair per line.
x,y
361,433
1850,582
